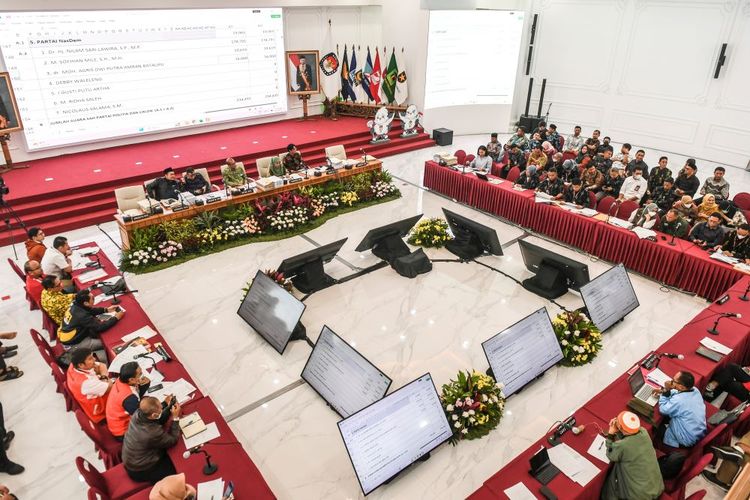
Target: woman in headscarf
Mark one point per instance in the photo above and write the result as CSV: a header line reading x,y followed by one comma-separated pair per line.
x,y
172,488
707,207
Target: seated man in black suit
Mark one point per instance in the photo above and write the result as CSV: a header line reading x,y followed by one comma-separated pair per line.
x,y
194,183
165,187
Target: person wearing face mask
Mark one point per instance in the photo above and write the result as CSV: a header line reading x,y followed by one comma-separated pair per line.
x,y
736,244
645,217
146,441
634,187
708,234
686,208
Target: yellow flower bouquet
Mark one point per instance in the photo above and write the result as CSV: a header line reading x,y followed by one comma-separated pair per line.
x,y
580,340
474,405
430,233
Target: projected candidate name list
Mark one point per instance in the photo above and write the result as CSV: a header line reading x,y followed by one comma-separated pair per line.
x,y
95,79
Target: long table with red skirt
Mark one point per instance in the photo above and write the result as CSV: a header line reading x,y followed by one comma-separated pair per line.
x,y
671,261
234,463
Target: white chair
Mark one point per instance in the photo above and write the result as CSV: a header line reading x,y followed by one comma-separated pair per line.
x,y
282,156
264,165
128,197
337,152
203,172
225,166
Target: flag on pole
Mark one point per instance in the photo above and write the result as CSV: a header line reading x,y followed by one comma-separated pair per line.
x,y
293,62
402,90
330,68
374,78
346,84
366,73
353,74
356,73
389,81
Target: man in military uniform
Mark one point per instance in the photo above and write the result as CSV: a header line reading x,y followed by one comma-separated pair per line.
x,y
664,196
234,175
552,185
293,160
737,244
658,175
518,139
673,224
604,162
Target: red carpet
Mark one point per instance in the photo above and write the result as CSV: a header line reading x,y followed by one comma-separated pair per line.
x,y
76,190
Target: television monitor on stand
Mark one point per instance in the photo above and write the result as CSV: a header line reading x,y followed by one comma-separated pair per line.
x,y
273,312
554,274
306,269
344,378
609,297
470,239
387,241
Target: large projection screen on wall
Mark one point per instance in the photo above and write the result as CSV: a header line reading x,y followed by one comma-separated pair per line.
x,y
472,60
86,76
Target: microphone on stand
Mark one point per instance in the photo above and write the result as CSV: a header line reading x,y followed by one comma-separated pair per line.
x,y
209,468
671,242
714,330
744,296
672,356
616,205
153,363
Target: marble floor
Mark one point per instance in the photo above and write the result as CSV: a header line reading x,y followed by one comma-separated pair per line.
x,y
433,323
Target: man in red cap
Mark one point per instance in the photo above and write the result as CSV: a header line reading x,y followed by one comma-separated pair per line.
x,y
635,470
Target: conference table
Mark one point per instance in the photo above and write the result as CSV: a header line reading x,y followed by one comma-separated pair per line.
x,y
226,451
671,261
258,195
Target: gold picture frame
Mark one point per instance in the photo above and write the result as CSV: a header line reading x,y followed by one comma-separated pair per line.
x,y
8,107
296,81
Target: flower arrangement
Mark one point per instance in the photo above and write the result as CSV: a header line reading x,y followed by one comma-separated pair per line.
x,y
284,214
474,405
580,340
349,198
430,233
286,220
278,277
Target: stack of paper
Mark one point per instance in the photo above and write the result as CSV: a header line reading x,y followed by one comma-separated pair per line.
x,y
715,346
128,354
572,464
620,223
658,377
643,233
211,432
519,491
211,490
182,389
145,332
598,449
724,258
92,275
588,212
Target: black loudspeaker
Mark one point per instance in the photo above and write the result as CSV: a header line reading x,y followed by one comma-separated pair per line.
x,y
411,265
529,122
442,136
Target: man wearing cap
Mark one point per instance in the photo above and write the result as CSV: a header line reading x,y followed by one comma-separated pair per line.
x,y
635,470
681,404
165,187
687,182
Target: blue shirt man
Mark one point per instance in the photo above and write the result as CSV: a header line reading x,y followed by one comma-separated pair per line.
x,y
683,404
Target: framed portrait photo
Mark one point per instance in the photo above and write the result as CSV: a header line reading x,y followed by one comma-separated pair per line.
x,y
10,119
302,72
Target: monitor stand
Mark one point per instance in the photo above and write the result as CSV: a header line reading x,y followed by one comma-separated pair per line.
x,y
300,333
390,248
311,277
465,245
549,282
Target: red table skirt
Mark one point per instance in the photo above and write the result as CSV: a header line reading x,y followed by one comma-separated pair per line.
x,y
681,265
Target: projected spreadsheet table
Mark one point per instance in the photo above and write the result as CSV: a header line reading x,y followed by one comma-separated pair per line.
x,y
392,433
83,76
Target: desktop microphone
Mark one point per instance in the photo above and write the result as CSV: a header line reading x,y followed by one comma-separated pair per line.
x,y
153,363
744,296
616,205
564,426
209,468
714,330
671,242
672,356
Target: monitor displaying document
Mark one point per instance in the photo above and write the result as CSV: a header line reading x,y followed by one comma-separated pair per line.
x,y
389,435
609,297
522,352
271,311
342,376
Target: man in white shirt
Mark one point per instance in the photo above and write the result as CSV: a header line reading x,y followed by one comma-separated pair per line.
x,y
574,142
634,187
56,260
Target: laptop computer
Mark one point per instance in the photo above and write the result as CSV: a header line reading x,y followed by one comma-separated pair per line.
x,y
640,389
541,468
481,175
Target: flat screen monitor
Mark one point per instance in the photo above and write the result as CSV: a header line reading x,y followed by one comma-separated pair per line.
x,y
539,260
342,376
523,351
386,241
471,236
306,269
388,436
609,297
271,311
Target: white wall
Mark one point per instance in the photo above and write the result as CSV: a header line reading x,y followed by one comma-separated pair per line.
x,y
642,72
304,28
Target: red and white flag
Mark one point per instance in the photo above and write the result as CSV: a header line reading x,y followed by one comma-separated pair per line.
x,y
375,78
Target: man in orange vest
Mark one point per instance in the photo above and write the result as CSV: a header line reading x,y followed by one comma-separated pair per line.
x,y
125,396
88,383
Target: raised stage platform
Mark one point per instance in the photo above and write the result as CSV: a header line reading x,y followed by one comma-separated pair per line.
x,y
77,190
